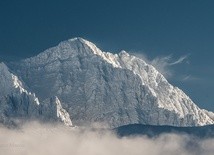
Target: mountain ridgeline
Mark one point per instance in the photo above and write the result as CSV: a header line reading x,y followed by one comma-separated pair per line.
x,y
78,84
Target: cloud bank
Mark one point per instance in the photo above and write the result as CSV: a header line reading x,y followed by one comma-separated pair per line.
x,y
34,139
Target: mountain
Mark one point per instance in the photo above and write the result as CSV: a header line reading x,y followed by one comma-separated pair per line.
x,y
203,132
79,84
17,103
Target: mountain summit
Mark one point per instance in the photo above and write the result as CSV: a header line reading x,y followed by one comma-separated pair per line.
x,y
87,85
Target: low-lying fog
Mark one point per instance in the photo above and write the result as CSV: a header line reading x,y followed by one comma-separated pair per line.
x,y
37,139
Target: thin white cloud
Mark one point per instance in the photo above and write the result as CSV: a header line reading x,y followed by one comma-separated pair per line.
x,y
189,78
164,64
180,60
186,78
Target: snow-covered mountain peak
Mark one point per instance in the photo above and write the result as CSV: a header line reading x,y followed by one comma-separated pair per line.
x,y
65,50
3,66
92,85
10,83
4,71
87,44
76,39
80,40
5,80
123,53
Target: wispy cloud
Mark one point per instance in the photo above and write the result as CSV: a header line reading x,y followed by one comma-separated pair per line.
x,y
189,78
164,64
180,60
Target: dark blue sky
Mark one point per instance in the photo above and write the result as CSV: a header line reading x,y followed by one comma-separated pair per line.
x,y
156,28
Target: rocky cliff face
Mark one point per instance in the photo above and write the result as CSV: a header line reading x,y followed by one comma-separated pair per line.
x,y
95,86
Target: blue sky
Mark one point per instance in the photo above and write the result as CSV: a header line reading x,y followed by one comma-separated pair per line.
x,y
174,35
